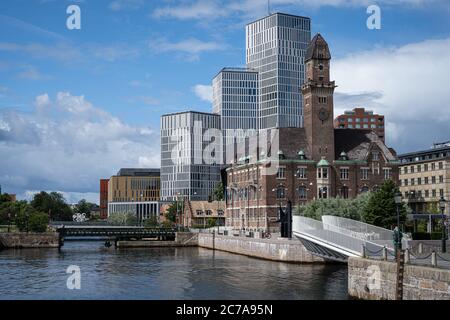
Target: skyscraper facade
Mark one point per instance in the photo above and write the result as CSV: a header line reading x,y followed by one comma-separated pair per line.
x,y
235,99
188,169
276,47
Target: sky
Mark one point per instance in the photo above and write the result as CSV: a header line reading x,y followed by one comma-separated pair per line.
x,y
78,105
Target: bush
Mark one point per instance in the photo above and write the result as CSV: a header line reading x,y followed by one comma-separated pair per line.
x,y
38,222
151,222
122,219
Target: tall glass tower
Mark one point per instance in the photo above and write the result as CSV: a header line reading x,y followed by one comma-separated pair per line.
x,y
276,47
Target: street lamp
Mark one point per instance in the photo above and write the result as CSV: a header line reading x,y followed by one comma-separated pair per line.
x,y
442,202
397,232
9,222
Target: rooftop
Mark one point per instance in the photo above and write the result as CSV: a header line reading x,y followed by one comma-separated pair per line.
x,y
138,172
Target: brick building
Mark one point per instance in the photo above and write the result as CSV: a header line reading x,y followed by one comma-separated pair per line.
x,y
316,161
360,118
104,198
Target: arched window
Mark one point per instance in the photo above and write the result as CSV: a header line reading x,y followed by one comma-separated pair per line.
x,y
280,193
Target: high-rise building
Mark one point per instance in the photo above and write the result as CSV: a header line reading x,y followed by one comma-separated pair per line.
x,y
276,47
360,118
135,191
425,178
235,99
104,198
188,170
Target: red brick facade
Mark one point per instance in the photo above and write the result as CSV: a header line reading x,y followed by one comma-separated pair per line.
x,y
104,198
316,161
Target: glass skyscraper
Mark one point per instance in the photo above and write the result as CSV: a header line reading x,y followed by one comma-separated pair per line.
x,y
187,170
276,47
235,99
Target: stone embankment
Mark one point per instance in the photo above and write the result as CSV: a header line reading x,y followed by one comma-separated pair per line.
x,y
22,240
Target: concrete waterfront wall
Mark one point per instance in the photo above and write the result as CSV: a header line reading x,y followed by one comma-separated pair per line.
x,y
21,240
420,283
182,239
271,249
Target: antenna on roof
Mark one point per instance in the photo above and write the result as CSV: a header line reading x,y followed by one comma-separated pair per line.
x,y
268,7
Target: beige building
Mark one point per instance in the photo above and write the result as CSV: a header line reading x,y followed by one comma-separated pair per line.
x,y
199,213
425,178
135,191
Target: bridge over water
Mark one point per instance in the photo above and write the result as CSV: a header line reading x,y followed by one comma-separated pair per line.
x,y
337,238
114,233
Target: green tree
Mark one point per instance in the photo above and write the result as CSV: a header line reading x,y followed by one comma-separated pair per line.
x,y
218,192
84,207
171,212
4,198
38,222
54,204
122,219
11,208
382,209
211,222
28,218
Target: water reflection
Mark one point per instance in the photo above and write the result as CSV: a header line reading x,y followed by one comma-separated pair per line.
x,y
162,273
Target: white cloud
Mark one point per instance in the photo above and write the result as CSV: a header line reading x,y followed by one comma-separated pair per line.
x,y
119,5
31,73
68,145
407,84
214,9
204,92
190,48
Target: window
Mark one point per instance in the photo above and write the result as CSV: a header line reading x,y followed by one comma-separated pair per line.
x,y
344,192
419,168
364,174
412,169
199,212
301,173
426,180
322,173
427,193
322,100
413,181
387,173
281,173
433,193
375,156
441,165
405,183
425,167
433,180
365,189
344,173
208,212
441,179
302,194
441,193
419,181
323,193
280,193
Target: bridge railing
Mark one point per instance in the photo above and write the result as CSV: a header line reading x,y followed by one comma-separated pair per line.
x,y
334,237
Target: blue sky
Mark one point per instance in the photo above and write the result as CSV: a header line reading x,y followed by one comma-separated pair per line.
x,y
76,105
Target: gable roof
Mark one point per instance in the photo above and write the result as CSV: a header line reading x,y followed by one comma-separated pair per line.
x,y
357,144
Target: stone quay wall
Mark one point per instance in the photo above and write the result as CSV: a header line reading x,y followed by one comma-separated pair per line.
x,y
22,240
419,282
182,239
283,250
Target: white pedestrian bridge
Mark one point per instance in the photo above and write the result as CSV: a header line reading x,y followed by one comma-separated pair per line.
x,y
337,238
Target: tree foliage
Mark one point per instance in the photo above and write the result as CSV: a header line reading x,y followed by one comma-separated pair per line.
x,y
218,192
53,204
122,219
30,219
382,209
84,207
377,208
171,212
151,222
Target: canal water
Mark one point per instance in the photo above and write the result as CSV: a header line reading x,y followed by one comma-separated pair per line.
x,y
162,273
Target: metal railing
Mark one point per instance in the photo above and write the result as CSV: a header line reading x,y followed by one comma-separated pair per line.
x,y
333,236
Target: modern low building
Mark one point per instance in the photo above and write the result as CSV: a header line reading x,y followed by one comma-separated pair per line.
x,y
104,198
317,161
360,118
425,178
135,191
199,214
188,170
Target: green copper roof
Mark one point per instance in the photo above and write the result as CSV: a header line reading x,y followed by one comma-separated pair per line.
x,y
323,163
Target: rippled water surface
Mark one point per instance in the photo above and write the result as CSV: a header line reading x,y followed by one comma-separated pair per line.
x,y
168,273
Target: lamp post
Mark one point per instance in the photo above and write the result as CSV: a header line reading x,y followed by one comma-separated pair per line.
x,y
442,202
9,222
397,232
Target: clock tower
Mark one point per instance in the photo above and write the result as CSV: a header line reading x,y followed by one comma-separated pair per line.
x,y
318,93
